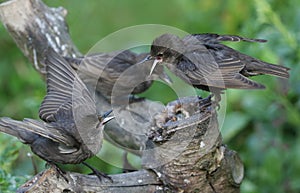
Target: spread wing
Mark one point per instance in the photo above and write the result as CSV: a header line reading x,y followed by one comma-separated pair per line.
x,y
62,85
69,105
104,69
108,65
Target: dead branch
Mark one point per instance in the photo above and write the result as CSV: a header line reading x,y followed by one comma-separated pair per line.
x,y
182,151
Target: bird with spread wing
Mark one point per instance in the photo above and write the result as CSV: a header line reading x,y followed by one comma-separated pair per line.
x,y
70,131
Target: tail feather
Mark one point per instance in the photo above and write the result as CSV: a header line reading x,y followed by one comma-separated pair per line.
x,y
17,129
27,130
277,70
6,127
216,38
260,67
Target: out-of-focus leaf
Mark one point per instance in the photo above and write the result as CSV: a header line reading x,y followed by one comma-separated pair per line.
x,y
9,183
8,152
265,130
233,124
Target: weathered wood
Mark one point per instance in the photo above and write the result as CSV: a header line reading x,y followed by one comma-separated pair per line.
x,y
183,151
186,151
134,182
35,27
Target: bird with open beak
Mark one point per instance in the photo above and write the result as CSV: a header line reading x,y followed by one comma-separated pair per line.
x,y
70,130
203,62
102,71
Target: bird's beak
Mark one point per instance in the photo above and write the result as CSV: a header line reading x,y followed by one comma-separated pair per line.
x,y
149,57
107,119
104,118
154,65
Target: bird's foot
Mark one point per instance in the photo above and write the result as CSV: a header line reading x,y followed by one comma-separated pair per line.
x,y
217,99
99,174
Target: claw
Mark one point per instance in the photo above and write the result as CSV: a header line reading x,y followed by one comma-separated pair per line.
x,y
104,118
99,174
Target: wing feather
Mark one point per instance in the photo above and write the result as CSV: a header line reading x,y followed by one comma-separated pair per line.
x,y
216,38
62,85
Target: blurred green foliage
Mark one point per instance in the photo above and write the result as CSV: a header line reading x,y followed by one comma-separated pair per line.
x,y
263,126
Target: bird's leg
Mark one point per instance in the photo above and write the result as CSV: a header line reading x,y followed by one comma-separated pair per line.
x,y
33,163
217,98
97,173
58,170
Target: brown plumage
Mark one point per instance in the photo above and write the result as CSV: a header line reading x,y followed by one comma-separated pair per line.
x,y
202,61
102,70
70,130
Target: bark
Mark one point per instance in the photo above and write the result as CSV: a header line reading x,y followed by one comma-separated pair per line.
x,y
185,150
182,151
134,182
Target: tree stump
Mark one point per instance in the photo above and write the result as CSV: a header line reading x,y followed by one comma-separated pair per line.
x,y
182,151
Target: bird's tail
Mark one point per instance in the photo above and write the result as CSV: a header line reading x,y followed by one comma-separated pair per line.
x,y
258,67
17,129
29,130
216,38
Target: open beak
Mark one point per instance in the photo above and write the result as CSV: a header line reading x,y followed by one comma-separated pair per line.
x,y
149,57
105,118
154,65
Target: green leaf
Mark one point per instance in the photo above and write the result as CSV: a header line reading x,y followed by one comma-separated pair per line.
x,y
233,124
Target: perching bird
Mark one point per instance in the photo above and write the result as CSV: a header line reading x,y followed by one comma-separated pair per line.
x,y
70,130
200,60
102,70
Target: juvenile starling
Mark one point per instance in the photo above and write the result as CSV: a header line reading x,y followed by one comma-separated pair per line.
x,y
103,70
70,130
200,60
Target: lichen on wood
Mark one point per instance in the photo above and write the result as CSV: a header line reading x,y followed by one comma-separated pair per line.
x,y
183,149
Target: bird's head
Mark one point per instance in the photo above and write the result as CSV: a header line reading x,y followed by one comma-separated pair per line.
x,y
166,48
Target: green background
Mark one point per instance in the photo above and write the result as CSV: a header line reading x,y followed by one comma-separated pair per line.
x,y
262,126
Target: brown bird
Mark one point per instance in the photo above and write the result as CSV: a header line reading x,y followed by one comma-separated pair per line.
x,y
70,130
102,70
202,61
